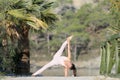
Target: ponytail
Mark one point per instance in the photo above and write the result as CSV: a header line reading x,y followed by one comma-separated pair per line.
x,y
74,69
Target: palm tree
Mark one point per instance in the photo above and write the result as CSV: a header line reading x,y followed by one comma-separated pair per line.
x,y
19,17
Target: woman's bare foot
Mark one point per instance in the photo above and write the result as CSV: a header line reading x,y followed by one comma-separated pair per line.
x,y
70,37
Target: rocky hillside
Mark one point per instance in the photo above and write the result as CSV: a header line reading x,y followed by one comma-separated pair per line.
x,y
78,3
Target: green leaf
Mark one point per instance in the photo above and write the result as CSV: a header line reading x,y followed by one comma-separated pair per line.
x,y
32,24
38,22
38,1
23,4
18,13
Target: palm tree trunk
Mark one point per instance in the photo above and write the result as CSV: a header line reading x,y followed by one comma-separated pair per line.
x,y
23,62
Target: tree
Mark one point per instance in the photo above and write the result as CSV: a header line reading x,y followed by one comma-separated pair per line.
x,y
19,17
85,24
70,25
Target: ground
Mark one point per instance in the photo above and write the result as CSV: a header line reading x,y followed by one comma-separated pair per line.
x,y
86,70
61,78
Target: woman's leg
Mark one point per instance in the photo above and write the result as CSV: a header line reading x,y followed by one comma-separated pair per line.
x,y
43,68
60,51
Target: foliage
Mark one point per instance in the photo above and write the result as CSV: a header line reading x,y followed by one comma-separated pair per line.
x,y
77,23
36,14
17,18
83,23
115,12
7,53
110,54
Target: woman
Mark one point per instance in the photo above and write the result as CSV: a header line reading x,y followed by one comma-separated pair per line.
x,y
58,59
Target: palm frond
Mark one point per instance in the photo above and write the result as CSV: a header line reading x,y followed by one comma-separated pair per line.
x,y
32,24
38,22
38,1
48,16
47,5
23,4
31,20
34,8
18,13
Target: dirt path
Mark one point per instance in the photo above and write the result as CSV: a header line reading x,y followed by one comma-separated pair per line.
x,y
61,78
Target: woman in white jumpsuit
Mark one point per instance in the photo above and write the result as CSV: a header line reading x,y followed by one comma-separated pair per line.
x,y
58,59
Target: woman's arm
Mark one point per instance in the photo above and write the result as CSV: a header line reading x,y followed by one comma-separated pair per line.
x,y
69,52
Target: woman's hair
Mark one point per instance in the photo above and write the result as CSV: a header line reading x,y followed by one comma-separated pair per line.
x,y
74,69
